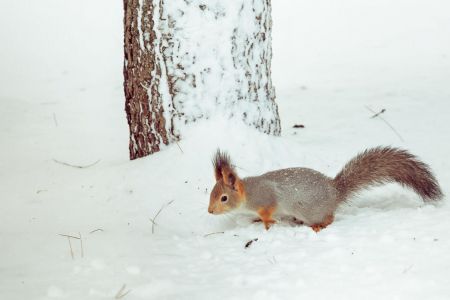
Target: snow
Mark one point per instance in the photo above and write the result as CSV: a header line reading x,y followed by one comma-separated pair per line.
x,y
62,99
221,70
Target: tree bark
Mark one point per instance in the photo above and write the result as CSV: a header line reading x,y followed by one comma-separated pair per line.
x,y
144,103
187,60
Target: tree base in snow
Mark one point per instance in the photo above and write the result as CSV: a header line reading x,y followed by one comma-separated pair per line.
x,y
186,60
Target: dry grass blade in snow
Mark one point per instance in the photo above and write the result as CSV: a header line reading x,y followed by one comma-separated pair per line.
x,y
157,214
378,115
120,294
76,166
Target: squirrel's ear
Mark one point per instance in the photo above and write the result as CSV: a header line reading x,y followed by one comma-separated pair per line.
x,y
223,169
233,181
229,177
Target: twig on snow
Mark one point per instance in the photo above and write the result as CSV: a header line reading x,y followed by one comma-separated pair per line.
x,y
95,230
70,236
76,166
273,260
120,294
386,122
179,147
70,246
157,214
81,245
378,113
54,119
248,244
212,233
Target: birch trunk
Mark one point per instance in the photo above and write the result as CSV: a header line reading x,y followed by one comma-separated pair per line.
x,y
187,60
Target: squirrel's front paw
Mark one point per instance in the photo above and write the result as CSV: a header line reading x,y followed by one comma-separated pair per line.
x,y
268,223
266,216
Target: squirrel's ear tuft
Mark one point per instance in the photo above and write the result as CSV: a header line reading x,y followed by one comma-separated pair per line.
x,y
220,162
223,169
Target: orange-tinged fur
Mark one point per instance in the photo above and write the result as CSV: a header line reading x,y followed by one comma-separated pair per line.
x,y
235,197
227,184
319,226
266,213
240,189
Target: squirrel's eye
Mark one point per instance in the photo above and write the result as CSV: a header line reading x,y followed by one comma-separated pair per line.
x,y
224,198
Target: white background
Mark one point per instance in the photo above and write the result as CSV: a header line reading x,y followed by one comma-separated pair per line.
x,y
61,99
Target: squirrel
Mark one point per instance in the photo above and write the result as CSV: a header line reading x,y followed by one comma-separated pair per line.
x,y
306,196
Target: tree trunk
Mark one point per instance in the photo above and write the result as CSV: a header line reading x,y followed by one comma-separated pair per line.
x,y
187,60
142,74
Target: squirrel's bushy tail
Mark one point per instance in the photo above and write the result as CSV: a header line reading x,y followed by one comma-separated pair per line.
x,y
385,164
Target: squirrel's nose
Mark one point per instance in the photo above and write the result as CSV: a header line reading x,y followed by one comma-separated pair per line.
x,y
210,210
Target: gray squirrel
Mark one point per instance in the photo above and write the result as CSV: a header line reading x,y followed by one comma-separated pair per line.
x,y
308,197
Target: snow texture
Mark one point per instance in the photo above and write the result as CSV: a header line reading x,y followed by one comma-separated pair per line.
x,y
62,99
216,58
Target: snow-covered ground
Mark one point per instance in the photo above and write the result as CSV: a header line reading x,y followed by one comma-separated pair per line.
x,y
61,99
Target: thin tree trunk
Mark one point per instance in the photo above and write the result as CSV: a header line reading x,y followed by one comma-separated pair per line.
x,y
186,61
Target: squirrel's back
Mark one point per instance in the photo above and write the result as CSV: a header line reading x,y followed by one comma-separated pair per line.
x,y
305,192
311,196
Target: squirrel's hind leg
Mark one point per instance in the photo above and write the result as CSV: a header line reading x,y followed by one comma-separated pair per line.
x,y
319,226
